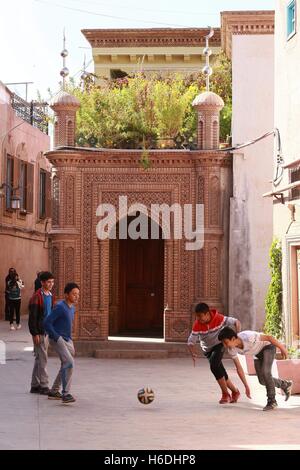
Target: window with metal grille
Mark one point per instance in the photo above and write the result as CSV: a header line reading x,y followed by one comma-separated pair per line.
x,y
291,19
295,176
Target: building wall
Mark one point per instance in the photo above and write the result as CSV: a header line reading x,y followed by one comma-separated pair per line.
x,y
22,236
287,90
287,118
165,50
160,50
251,215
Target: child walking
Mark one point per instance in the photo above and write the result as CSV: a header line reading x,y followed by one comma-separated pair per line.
x,y
58,324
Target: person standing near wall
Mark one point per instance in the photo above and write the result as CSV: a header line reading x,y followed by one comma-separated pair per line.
x,y
40,306
9,276
14,286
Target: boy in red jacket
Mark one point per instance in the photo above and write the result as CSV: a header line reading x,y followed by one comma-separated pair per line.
x,y
207,326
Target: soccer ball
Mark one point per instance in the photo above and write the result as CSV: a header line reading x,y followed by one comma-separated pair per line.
x,y
145,395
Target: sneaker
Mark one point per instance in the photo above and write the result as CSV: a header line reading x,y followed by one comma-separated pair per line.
x,y
68,399
235,396
35,389
225,398
44,391
271,405
287,389
54,395
12,326
19,326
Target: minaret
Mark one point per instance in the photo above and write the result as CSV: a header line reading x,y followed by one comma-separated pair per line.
x,y
208,106
65,107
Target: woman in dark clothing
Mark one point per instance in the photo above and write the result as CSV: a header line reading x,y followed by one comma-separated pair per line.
x,y
14,286
10,275
37,282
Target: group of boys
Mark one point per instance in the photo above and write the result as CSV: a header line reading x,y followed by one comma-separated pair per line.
x,y
51,322
217,332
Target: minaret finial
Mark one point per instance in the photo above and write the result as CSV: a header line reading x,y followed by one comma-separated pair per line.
x,y
84,72
207,70
64,71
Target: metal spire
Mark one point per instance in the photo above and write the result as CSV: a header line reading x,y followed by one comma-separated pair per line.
x,y
84,72
207,70
64,53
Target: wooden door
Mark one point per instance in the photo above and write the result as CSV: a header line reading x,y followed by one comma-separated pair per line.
x,y
141,279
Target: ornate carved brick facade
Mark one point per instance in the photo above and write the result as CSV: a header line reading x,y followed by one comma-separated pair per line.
x,y
100,176
141,285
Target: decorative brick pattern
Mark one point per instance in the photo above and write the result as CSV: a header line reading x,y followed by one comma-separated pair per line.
x,y
55,269
69,200
69,265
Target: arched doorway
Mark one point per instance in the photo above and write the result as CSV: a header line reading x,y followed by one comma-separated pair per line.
x,y
137,285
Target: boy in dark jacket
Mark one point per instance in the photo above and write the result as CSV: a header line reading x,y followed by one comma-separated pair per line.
x,y
40,306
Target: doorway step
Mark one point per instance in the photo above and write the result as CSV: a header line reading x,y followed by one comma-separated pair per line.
x,y
129,348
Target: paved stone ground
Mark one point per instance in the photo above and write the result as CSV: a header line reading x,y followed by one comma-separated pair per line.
x,y
107,415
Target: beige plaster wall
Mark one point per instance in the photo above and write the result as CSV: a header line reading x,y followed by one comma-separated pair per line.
x,y
251,215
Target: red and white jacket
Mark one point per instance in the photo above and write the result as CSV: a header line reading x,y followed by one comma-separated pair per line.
x,y
208,332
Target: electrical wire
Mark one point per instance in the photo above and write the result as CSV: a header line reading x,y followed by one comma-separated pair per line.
x,y
174,12
110,16
278,174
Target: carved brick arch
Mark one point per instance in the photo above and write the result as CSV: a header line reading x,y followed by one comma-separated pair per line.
x,y
127,261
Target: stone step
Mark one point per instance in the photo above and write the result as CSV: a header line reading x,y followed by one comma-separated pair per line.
x,y
116,344
87,348
130,354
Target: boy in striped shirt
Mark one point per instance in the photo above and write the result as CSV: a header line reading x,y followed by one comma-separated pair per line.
x,y
207,327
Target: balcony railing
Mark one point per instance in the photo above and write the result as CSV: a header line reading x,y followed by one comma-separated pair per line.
x,y
34,113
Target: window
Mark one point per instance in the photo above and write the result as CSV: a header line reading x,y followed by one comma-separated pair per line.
x,y
42,205
9,180
291,19
45,205
23,186
295,176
